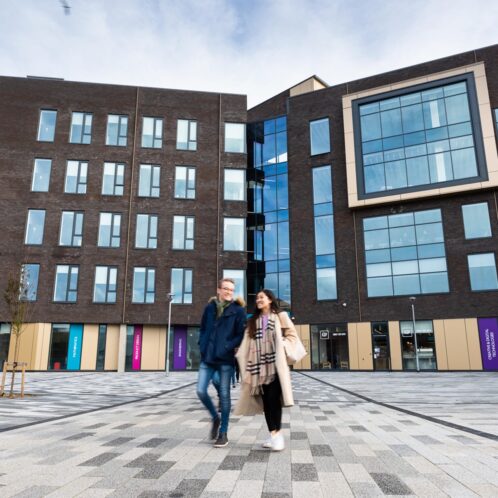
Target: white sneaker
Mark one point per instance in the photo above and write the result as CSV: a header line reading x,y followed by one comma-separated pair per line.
x,y
267,443
278,442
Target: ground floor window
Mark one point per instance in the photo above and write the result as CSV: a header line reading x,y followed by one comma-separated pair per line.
x,y
101,347
134,335
380,346
329,347
59,343
184,349
426,345
4,342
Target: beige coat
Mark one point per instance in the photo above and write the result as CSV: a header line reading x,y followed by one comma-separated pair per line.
x,y
252,405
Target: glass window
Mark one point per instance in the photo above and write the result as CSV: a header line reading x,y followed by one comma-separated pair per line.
x,y
109,230
71,233
425,345
146,232
117,130
482,269
235,137
66,283
186,137
105,287
235,185
4,342
325,264
183,232
46,126
81,128
239,277
181,285
100,364
59,344
417,138
152,133
319,136
29,281
41,175
234,234
405,254
185,182
143,285
476,220
148,183
113,180
76,177
35,226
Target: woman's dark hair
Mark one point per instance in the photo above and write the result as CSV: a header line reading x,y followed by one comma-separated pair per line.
x,y
251,323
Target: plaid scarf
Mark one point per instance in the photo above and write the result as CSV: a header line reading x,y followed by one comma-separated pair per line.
x,y
261,358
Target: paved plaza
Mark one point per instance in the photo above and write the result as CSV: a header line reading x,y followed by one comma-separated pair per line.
x,y
350,434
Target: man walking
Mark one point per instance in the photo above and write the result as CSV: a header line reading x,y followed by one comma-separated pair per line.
x,y
222,329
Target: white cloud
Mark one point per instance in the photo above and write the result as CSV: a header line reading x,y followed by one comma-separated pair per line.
x,y
255,47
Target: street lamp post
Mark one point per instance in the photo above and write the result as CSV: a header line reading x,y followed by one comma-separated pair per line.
x,y
412,301
170,300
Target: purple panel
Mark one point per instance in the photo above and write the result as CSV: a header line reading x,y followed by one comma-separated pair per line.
x,y
137,348
488,334
180,349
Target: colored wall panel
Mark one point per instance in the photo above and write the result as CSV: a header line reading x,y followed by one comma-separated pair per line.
x,y
488,334
111,348
180,348
473,344
137,347
74,346
152,353
353,346
456,344
89,350
395,346
440,339
365,358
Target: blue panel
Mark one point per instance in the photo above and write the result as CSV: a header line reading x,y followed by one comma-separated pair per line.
x,y
74,346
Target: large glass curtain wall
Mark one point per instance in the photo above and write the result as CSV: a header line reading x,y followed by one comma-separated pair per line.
x,y
268,220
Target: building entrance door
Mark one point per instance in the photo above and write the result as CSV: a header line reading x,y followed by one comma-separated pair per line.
x,y
380,346
329,347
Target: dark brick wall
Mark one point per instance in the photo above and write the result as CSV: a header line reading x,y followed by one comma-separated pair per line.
x,y
351,277
20,101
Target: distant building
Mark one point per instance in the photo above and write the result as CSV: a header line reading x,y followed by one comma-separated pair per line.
x,y
347,201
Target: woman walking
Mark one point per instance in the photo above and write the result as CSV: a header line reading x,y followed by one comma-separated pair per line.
x,y
266,383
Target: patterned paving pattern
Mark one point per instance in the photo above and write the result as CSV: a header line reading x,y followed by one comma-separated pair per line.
x,y
337,445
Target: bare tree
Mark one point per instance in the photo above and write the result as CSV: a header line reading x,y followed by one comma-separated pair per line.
x,y
20,307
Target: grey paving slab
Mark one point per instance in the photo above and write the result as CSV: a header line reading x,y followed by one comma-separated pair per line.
x,y
349,434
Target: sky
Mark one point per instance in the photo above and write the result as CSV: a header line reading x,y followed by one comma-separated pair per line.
x,y
253,47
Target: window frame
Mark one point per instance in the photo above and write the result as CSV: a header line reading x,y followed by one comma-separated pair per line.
x,y
184,272
186,220
244,231
115,184
187,189
25,284
148,271
111,236
38,139
155,135
244,183
191,144
74,234
120,135
476,133
81,139
149,238
79,182
107,292
244,139
469,272
33,177
26,243
489,221
150,187
314,121
71,270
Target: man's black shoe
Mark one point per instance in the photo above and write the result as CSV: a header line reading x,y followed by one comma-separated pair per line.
x,y
221,441
215,428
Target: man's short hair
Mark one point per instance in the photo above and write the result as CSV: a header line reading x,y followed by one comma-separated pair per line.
x,y
227,279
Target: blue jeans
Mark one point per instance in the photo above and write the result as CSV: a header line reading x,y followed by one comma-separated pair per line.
x,y
206,374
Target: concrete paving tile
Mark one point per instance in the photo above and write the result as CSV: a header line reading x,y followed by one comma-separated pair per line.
x,y
253,471
304,472
247,489
34,492
365,489
334,484
305,489
390,484
223,480
301,456
74,488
